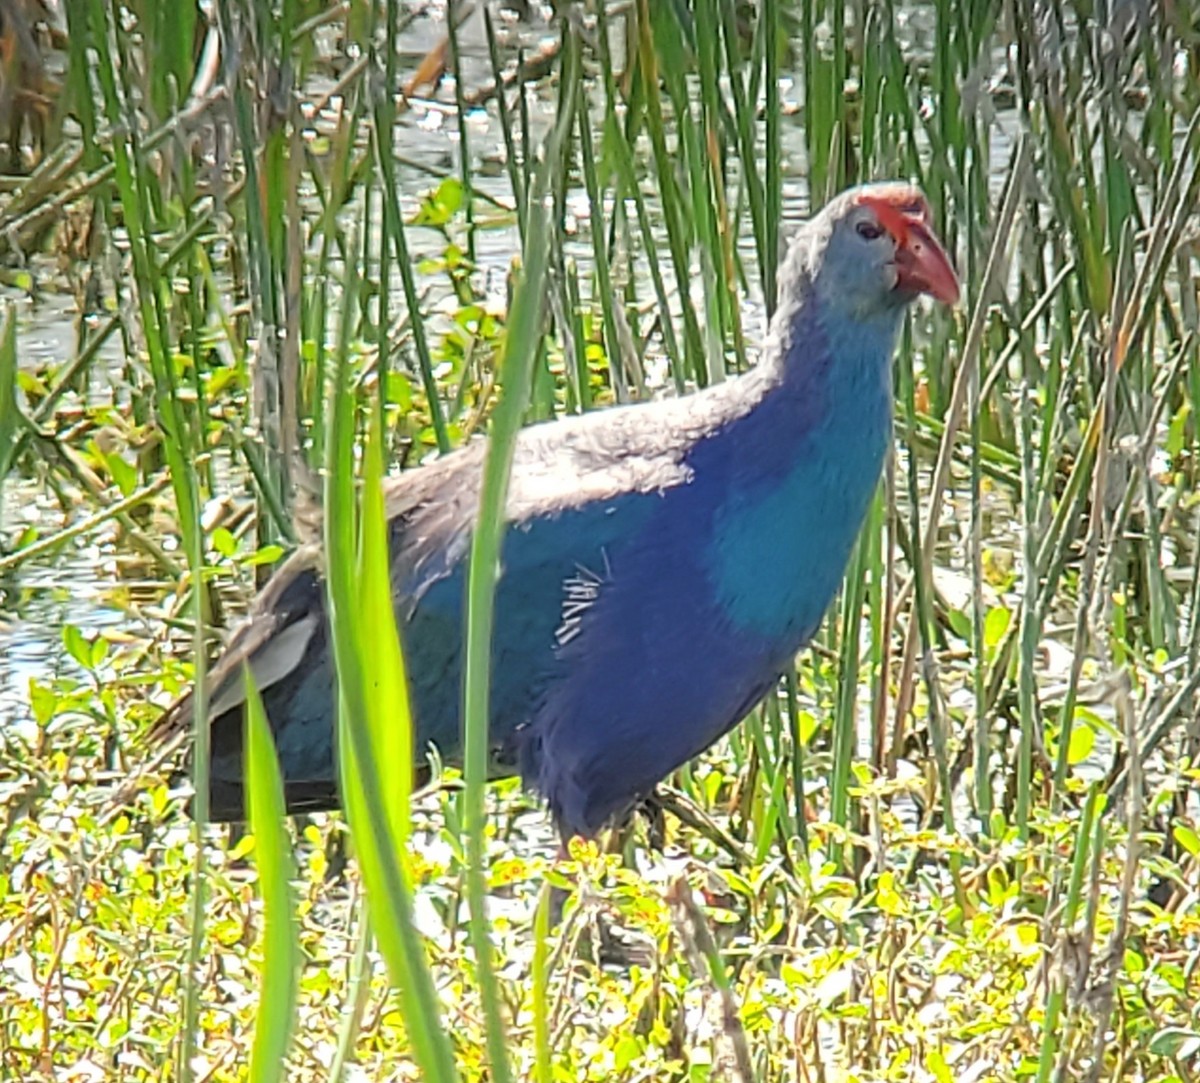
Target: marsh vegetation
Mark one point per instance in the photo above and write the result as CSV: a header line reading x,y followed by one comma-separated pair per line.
x,y
959,843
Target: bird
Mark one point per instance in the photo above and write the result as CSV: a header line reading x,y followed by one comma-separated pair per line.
x,y
662,563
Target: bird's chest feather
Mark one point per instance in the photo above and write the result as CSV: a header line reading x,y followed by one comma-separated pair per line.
x,y
783,533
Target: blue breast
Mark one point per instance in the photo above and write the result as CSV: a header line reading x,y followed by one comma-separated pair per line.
x,y
782,539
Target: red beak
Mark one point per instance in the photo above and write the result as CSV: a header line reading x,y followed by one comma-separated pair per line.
x,y
922,265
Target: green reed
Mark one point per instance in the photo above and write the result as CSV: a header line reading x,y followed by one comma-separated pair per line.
x,y
1045,453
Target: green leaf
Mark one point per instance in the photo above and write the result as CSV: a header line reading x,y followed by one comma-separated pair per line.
x,y
77,646
1096,722
1175,1042
388,712
808,727
43,701
1083,740
268,554
373,815
99,651
539,976
1177,431
441,205
32,384
1187,838
224,542
266,811
123,474
8,389
522,341
936,1064
995,626
449,194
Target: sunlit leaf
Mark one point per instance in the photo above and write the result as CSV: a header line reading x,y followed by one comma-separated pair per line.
x,y
1083,740
76,645
276,870
224,542
267,554
43,701
1187,838
995,625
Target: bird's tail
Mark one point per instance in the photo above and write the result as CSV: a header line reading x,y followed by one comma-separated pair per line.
x,y
284,643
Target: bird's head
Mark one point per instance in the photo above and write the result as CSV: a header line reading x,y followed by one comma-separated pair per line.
x,y
875,251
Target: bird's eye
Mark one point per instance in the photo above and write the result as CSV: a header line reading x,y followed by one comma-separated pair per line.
x,y
869,231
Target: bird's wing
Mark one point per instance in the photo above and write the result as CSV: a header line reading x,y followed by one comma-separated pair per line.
x,y
272,641
561,468
572,467
579,489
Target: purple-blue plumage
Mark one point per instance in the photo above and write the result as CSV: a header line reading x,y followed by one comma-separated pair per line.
x,y
663,562
705,605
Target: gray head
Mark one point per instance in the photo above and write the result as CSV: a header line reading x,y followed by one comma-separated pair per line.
x,y
871,251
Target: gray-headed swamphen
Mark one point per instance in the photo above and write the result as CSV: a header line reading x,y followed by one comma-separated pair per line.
x,y
662,565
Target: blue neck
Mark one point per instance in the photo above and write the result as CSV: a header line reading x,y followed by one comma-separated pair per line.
x,y
807,464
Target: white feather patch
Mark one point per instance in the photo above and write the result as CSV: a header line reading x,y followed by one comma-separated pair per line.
x,y
273,661
580,592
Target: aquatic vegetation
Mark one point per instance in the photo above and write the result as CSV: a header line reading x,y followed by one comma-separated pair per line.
x,y
960,842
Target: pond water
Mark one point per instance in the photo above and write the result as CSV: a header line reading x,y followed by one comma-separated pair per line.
x,y
75,584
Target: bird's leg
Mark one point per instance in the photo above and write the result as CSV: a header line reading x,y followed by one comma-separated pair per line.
x,y
337,857
655,812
